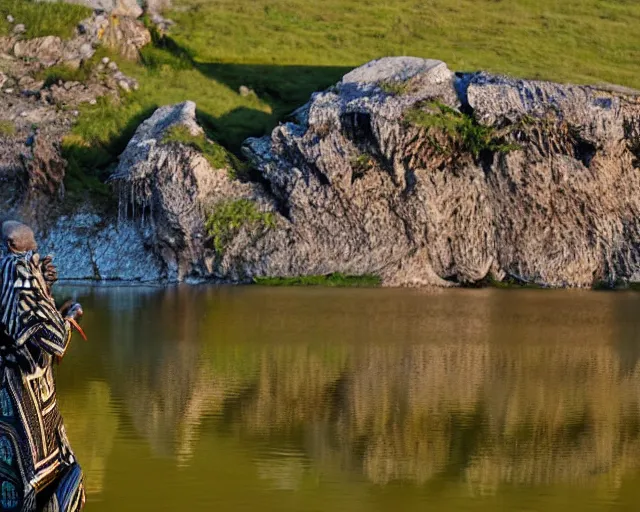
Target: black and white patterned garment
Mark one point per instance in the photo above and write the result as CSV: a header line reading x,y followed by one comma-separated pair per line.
x,y
37,468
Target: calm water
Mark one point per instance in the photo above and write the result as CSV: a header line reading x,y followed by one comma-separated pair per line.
x,y
253,399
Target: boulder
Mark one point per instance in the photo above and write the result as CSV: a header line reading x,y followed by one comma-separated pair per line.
x,y
168,188
127,36
47,50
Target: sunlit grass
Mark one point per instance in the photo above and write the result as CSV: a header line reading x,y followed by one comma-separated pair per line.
x,y
42,18
286,49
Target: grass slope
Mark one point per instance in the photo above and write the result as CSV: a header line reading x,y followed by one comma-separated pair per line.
x,y
286,49
41,19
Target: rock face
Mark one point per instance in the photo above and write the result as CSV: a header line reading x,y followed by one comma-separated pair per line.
x,y
404,169
468,176
168,188
409,171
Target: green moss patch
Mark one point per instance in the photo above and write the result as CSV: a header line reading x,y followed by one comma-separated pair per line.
x,y
463,130
229,218
215,154
336,280
394,88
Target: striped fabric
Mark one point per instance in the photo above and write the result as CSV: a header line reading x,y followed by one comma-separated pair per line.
x,y
37,468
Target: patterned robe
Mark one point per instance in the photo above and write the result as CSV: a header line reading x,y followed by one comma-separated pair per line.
x,y
37,468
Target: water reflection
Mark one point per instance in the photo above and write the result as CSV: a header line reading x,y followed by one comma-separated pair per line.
x,y
484,389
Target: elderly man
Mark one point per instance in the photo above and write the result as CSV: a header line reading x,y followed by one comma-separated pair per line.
x,y
37,468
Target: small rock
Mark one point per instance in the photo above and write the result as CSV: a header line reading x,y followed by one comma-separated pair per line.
x,y
3,79
244,91
24,114
9,91
100,68
10,18
19,29
75,113
105,60
113,66
124,85
93,102
86,51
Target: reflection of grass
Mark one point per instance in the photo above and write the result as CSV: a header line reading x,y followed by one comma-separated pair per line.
x,y
42,18
331,280
510,283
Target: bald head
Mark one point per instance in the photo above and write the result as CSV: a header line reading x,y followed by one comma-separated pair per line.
x,y
18,237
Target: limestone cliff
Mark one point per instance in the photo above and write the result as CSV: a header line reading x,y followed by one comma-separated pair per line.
x,y
423,176
404,169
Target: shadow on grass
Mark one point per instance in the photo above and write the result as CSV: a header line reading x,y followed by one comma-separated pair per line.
x,y
283,88
89,165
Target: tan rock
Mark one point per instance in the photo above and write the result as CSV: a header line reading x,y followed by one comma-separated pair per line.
x,y
47,50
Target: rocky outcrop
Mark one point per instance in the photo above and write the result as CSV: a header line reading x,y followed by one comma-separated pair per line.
x,y
123,35
468,176
169,188
409,171
404,169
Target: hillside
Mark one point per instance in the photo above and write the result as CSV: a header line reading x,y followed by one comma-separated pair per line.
x,y
286,49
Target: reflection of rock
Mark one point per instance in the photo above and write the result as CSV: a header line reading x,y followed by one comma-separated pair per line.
x,y
284,473
427,392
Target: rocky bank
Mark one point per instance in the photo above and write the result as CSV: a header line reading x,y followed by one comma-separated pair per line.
x,y
404,169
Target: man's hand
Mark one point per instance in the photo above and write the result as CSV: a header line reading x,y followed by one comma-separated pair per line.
x,y
72,312
71,309
49,271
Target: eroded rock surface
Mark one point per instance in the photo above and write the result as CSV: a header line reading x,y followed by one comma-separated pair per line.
x,y
404,169
557,204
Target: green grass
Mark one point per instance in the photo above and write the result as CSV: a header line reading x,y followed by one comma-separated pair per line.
x,y
215,154
394,88
286,49
461,129
332,280
42,18
229,218
7,129
62,73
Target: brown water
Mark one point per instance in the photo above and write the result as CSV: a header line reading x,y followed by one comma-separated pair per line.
x,y
254,399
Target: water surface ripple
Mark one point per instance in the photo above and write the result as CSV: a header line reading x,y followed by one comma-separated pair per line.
x,y
191,398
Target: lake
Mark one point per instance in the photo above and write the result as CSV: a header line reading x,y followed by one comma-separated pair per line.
x,y
269,399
